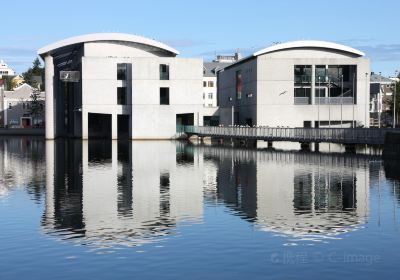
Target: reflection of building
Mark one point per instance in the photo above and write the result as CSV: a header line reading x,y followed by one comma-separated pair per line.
x,y
125,193
17,108
307,196
296,84
26,169
116,85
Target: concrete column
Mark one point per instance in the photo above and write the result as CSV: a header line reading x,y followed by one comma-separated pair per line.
x,y
114,126
85,125
50,110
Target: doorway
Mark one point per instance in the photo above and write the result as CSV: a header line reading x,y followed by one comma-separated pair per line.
x,y
99,126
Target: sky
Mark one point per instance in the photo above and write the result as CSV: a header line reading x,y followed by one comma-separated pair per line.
x,y
204,28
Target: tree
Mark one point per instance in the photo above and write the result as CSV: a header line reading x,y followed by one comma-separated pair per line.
x,y
36,109
33,73
396,95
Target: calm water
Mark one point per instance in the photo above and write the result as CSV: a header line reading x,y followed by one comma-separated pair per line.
x,y
169,210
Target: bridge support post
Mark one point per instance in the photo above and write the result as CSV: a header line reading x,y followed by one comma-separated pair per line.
x,y
305,146
270,144
350,148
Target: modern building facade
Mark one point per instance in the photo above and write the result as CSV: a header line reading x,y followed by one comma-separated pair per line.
x,y
297,84
119,86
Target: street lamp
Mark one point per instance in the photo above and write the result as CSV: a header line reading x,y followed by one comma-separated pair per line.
x,y
394,99
319,95
367,99
379,100
341,102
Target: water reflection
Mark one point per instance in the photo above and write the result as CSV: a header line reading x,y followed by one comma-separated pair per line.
x,y
304,196
119,193
109,194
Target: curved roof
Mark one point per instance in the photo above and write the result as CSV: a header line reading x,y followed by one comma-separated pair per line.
x,y
106,37
309,44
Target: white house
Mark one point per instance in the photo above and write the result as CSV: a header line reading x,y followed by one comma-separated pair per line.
x,y
119,85
16,108
297,84
5,70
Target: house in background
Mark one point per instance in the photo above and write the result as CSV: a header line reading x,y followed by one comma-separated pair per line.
x,y
18,109
297,84
381,96
5,70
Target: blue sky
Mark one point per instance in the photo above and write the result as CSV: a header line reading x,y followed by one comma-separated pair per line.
x,y
203,28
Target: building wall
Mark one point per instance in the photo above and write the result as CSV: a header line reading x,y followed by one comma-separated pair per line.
x,y
270,80
149,118
246,106
210,87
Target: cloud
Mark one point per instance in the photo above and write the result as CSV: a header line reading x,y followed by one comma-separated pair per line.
x,y
16,52
382,52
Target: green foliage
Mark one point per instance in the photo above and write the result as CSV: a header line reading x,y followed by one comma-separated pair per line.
x,y
37,105
32,74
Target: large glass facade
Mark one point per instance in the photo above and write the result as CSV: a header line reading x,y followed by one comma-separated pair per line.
x,y
334,84
302,84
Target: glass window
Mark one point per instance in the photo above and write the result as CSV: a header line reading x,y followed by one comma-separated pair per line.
x,y
164,96
320,74
164,72
302,74
121,71
121,96
210,95
204,84
238,84
210,84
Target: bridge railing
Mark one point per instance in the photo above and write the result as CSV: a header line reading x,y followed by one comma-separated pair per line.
x,y
334,135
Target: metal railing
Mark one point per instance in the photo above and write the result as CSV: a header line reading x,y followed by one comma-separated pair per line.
x,y
373,136
334,100
302,100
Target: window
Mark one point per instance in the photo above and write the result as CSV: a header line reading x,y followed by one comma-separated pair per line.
x,y
302,96
164,96
204,84
238,84
9,106
210,84
302,74
204,95
320,74
210,95
121,96
23,105
164,72
121,71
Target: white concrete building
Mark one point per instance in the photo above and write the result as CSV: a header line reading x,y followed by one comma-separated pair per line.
x,y
5,70
122,86
297,84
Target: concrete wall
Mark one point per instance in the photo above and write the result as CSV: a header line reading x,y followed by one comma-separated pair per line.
x,y
150,120
247,105
270,78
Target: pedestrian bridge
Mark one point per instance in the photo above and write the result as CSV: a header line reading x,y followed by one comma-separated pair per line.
x,y
350,136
